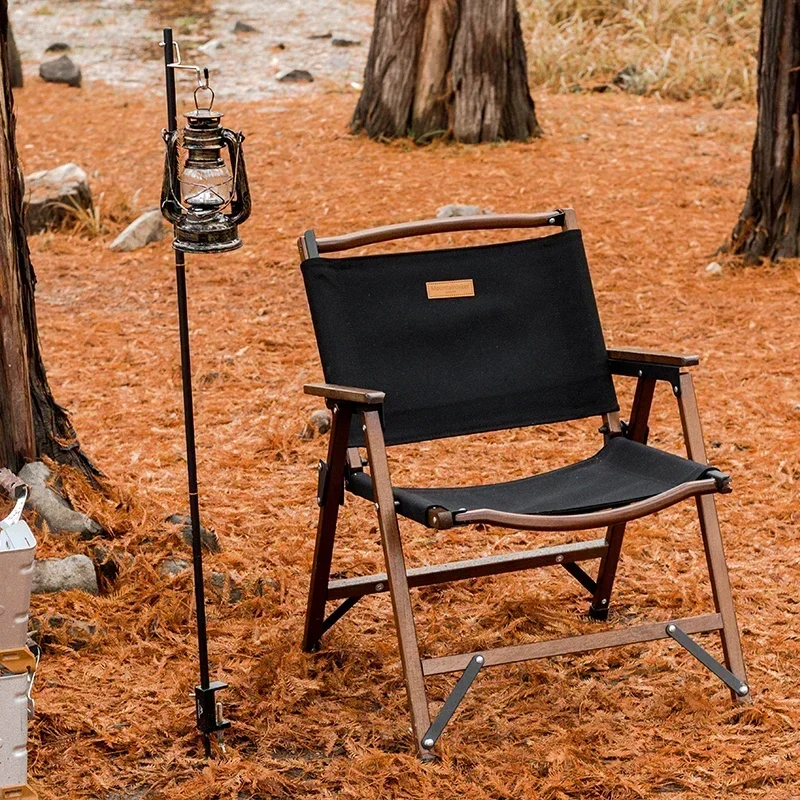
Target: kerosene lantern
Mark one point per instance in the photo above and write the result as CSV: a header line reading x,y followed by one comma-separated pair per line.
x,y
206,198
197,194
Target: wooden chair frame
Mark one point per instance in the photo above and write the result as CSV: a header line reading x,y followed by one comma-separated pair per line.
x,y
347,402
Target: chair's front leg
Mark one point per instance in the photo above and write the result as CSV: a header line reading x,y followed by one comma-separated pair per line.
x,y
712,538
326,527
637,431
397,578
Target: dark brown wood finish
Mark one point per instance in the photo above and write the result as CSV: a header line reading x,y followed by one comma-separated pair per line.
x,y
396,577
607,572
654,357
572,644
472,568
397,580
561,218
595,519
326,526
712,538
345,394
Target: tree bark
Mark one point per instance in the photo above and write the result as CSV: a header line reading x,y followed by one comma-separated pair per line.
x,y
32,424
769,225
14,62
446,67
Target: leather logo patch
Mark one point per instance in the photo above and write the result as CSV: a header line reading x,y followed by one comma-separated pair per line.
x,y
440,290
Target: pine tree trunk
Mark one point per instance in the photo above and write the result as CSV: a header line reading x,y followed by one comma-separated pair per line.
x,y
32,424
769,225
455,67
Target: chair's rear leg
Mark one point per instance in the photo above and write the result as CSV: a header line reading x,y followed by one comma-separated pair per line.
x,y
397,579
712,537
330,501
637,431
607,572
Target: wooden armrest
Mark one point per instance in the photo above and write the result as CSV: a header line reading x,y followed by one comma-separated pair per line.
x,y
654,357
345,394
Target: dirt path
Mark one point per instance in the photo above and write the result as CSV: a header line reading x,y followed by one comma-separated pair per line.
x,y
116,41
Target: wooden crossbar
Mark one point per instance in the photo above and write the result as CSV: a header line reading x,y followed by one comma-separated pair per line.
x,y
472,568
572,644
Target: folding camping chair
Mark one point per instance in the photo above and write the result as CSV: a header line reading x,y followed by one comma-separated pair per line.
x,y
484,338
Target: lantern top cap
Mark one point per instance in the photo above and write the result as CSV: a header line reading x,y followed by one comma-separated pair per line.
x,y
203,114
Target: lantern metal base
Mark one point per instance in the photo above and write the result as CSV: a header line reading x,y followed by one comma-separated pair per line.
x,y
214,236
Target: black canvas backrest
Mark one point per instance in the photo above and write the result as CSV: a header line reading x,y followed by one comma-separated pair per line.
x,y
464,340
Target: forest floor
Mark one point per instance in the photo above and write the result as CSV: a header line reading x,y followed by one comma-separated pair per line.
x,y
657,187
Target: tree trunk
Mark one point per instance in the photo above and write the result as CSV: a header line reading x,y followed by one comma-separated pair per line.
x,y
454,67
32,424
14,62
769,225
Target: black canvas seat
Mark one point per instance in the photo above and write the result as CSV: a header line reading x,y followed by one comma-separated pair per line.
x,y
622,472
432,344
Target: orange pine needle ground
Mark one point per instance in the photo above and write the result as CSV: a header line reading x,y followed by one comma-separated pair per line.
x,y
657,186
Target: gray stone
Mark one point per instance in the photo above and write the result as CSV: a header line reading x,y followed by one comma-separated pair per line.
x,y
295,76
52,575
80,633
149,227
318,422
106,564
58,47
208,537
50,196
53,508
243,27
210,46
61,70
14,62
342,42
457,210
714,268
172,566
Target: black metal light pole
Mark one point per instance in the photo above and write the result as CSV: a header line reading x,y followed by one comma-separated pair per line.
x,y
195,207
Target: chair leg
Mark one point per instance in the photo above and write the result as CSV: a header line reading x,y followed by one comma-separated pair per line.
x,y
607,572
712,538
330,500
397,580
721,590
637,431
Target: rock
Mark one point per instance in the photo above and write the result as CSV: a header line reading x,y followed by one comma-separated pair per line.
x,y
58,47
56,629
318,422
52,575
584,137
295,76
210,46
172,566
342,42
227,587
630,79
327,35
61,70
208,537
106,564
243,27
52,508
14,62
51,194
456,210
714,268
149,227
